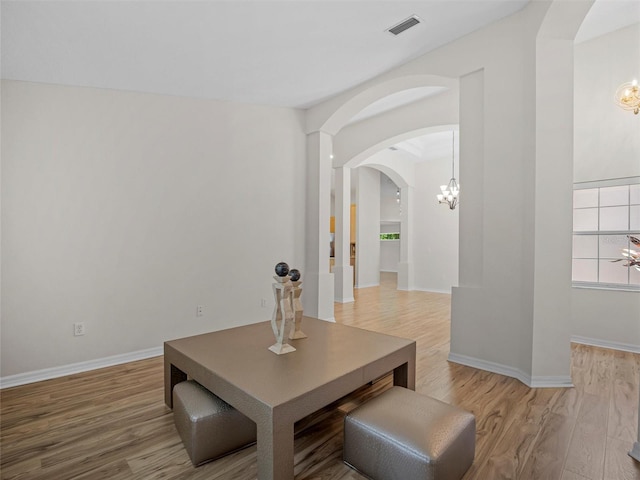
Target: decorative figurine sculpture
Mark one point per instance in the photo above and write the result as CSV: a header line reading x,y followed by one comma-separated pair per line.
x,y
296,305
282,318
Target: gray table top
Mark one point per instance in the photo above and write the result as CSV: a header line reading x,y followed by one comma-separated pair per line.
x,y
332,351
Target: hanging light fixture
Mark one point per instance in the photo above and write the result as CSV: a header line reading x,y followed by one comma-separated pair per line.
x,y
451,191
628,96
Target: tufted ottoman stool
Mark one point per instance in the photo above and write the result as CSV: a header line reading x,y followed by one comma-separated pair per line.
x,y
209,427
402,435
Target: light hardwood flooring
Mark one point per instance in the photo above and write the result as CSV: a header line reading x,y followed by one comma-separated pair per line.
x,y
112,423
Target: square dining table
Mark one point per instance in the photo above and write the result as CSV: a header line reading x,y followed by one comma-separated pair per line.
x,y
274,390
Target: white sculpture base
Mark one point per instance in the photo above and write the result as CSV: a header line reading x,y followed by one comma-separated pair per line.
x,y
296,334
281,348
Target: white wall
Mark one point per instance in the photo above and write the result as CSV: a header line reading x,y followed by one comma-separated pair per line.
x,y
368,228
511,312
389,207
389,249
606,146
436,229
390,216
389,255
606,138
606,318
125,211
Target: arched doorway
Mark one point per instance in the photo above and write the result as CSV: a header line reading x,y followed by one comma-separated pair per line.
x,y
427,250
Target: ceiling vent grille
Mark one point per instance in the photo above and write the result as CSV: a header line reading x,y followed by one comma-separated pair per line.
x,y
412,21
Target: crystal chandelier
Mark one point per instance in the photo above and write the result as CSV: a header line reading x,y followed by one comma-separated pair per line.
x,y
451,191
628,96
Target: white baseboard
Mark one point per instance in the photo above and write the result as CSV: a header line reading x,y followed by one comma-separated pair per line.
x,y
56,372
389,271
64,370
345,300
367,285
551,381
625,347
430,290
533,382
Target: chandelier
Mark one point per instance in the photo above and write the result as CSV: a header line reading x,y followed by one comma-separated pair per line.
x,y
628,96
451,191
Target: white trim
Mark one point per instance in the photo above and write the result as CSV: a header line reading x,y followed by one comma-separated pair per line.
x,y
617,287
611,182
332,319
533,382
448,292
61,371
551,381
490,367
388,271
625,347
345,300
367,285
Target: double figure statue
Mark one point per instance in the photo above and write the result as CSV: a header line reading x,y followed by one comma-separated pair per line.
x,y
287,314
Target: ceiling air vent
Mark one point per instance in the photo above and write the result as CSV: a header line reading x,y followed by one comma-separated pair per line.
x,y
412,21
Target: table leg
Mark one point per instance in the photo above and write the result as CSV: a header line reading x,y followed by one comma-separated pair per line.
x,y
172,376
275,449
405,375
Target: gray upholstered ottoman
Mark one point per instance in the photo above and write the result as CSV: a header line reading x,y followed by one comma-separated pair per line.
x,y
402,435
208,426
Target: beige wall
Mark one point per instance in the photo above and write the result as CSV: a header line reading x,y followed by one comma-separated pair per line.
x,y
124,211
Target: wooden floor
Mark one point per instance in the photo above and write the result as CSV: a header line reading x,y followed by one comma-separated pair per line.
x,y
113,424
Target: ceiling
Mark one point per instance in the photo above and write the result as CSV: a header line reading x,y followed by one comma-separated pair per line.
x,y
434,146
604,16
284,53
607,16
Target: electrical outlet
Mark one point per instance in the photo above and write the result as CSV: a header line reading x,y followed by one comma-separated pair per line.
x,y
263,302
199,310
78,329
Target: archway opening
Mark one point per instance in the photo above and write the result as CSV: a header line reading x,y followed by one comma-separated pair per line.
x,y
382,183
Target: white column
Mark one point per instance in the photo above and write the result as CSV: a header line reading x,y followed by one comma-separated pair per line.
x,y
367,228
317,296
471,167
343,271
405,266
548,214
